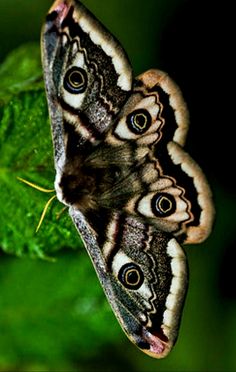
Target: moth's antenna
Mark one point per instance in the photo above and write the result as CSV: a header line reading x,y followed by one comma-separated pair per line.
x,y
42,190
34,186
44,212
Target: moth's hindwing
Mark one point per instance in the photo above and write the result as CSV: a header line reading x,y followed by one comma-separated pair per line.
x,y
144,274
133,193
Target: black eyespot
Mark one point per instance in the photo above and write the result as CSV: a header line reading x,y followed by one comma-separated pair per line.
x,y
131,276
75,80
139,121
163,204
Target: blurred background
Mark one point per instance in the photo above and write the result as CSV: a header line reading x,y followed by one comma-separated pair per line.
x,y
47,319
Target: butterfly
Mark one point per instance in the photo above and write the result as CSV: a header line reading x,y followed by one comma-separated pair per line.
x,y
133,193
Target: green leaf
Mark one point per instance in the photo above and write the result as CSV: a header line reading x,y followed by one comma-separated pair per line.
x,y
26,152
21,72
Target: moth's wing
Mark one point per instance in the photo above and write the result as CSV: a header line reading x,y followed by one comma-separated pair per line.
x,y
103,166
143,272
87,75
169,188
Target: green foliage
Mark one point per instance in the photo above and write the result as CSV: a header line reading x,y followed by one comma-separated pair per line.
x,y
26,152
20,72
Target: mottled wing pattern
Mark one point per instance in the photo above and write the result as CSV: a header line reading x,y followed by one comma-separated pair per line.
x,y
83,101
144,274
132,191
169,188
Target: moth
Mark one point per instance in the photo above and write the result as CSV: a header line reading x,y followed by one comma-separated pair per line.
x,y
133,193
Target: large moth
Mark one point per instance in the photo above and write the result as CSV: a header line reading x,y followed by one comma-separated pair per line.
x,y
133,193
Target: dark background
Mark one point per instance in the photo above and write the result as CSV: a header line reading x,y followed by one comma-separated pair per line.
x,y
193,42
